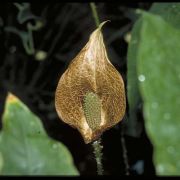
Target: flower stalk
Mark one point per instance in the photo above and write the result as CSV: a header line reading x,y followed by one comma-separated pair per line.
x,y
98,155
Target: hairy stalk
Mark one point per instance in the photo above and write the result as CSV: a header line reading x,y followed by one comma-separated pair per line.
x,y
98,155
95,14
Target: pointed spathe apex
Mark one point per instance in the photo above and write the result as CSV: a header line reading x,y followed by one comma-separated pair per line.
x,y
102,24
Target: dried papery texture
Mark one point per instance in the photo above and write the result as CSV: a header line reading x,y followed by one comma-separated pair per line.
x,y
90,95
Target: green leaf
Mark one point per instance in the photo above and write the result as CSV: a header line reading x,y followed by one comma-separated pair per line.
x,y
170,12
133,93
1,162
158,68
26,148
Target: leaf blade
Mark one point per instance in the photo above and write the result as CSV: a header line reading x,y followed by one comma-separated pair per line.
x,y
158,62
27,149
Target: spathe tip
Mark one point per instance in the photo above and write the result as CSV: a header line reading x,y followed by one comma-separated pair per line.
x,y
102,24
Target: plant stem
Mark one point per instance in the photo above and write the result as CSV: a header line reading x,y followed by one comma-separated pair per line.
x,y
98,155
31,41
125,157
95,14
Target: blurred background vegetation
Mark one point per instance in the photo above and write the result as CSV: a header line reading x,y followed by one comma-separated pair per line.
x,y
38,41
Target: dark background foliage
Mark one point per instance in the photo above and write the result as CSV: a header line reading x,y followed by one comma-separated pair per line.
x,y
66,29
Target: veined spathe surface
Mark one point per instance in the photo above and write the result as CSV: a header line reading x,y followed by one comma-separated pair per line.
x,y
90,76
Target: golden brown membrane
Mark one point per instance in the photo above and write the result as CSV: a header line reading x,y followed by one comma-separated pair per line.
x,y
90,95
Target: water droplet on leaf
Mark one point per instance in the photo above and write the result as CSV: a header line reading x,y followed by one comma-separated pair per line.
x,y
55,146
141,78
154,105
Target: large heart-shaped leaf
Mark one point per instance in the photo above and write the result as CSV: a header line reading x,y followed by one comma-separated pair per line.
x,y
158,69
25,147
170,13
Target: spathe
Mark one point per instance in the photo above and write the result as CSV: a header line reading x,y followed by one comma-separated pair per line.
x,y
90,95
